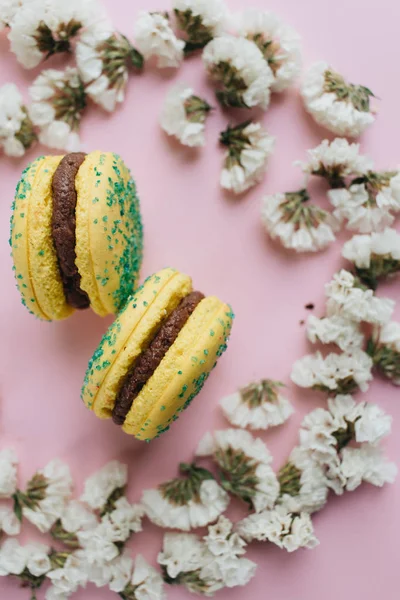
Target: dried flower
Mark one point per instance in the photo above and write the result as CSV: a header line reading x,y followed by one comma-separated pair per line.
x,y
245,466
184,115
299,226
279,44
40,29
249,147
368,203
368,464
375,256
335,161
259,405
186,503
200,20
9,522
349,298
105,487
145,583
8,472
239,68
8,10
17,133
334,103
58,101
155,37
104,58
343,332
384,349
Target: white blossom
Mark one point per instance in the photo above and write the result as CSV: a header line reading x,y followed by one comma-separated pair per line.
x,y
286,530
77,516
9,523
38,561
67,579
8,10
99,486
40,28
181,553
259,405
104,58
184,115
13,557
368,464
123,520
278,42
249,147
350,300
237,452
121,573
299,225
8,472
335,161
16,129
372,425
343,332
384,348
239,68
155,37
200,21
334,103
147,582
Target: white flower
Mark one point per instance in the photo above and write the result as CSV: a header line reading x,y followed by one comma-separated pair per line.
x,y
240,69
104,58
186,503
8,472
259,405
348,299
338,373
8,10
13,558
155,37
384,348
40,28
147,582
286,530
279,44
343,332
9,522
58,100
245,462
184,115
249,147
341,107
123,520
335,161
372,425
99,486
16,129
221,541
181,553
97,545
200,20
77,516
69,578
121,573
366,463
38,561
298,225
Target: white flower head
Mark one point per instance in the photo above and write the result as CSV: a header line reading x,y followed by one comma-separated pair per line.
x,y
8,472
58,101
335,374
8,10
146,581
104,58
200,21
41,28
278,42
279,526
239,68
249,147
334,103
368,464
343,332
13,557
384,348
155,37
71,574
184,115
372,425
299,225
17,132
102,484
121,573
9,523
186,503
259,405
335,161
124,519
181,553
245,462
350,299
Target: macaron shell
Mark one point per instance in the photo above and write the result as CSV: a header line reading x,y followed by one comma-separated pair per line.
x,y
182,372
35,258
108,231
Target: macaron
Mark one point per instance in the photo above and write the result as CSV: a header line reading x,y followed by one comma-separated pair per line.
x,y
76,234
156,356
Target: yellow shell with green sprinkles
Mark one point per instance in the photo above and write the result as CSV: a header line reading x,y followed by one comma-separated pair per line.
x,y
183,370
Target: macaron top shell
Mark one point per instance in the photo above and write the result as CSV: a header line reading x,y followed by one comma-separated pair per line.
x,y
108,223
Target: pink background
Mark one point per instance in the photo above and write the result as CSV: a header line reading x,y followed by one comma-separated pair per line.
x,y
190,224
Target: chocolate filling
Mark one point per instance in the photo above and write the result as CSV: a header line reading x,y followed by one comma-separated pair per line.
x,y
150,358
63,227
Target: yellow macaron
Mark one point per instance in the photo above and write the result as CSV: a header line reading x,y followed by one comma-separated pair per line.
x,y
76,234
156,355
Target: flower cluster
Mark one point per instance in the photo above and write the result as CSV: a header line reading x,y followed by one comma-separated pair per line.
x,y
384,349
17,132
245,466
334,103
258,405
155,37
299,225
200,21
206,565
249,147
184,115
343,332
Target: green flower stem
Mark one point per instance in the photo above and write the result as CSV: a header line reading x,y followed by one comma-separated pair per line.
x,y
357,95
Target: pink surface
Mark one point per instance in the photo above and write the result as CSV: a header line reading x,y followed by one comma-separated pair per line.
x,y
192,225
